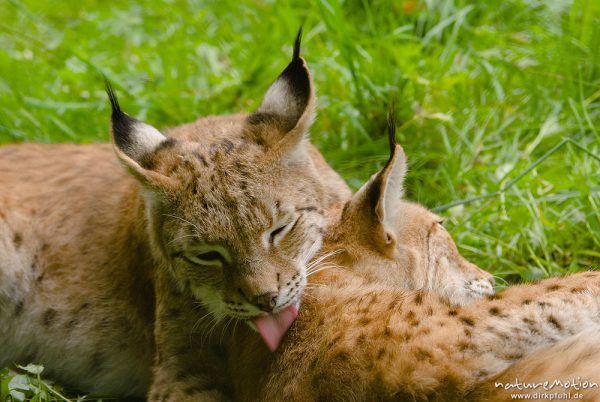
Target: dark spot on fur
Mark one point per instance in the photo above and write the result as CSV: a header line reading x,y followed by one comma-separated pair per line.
x,y
467,321
381,353
422,354
361,339
412,318
552,288
495,296
452,313
543,304
464,346
554,322
201,158
17,239
48,317
419,298
578,290
528,321
342,356
494,311
18,308
227,146
513,356
387,331
467,332
424,331
526,302
256,119
72,323
429,311
364,321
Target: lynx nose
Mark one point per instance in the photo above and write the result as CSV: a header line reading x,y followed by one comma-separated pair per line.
x,y
266,302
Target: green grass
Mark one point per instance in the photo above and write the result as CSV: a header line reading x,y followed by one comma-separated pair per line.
x,y
499,101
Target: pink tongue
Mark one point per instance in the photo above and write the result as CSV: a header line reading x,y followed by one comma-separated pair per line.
x,y
272,327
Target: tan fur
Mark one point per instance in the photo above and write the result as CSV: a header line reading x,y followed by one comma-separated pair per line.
x,y
360,337
574,361
357,342
121,282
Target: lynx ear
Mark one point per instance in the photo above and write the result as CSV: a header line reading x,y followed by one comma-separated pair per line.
x,y
392,180
287,109
133,141
383,192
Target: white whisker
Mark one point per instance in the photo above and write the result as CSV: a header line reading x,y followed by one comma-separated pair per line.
x,y
321,268
323,257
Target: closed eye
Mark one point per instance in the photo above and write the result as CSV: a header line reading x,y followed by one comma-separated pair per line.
x,y
211,258
276,232
282,231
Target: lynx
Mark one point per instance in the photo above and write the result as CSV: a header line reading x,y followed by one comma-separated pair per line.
x,y
359,339
123,280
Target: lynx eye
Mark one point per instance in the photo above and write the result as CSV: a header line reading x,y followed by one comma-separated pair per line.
x,y
281,231
212,258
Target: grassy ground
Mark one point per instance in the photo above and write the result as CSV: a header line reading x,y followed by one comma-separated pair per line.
x,y
499,101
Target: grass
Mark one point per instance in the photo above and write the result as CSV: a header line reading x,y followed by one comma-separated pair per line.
x,y
498,101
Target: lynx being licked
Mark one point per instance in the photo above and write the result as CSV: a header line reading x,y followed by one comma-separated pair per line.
x,y
123,281
369,332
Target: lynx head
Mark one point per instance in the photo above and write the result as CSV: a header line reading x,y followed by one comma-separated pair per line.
x,y
238,214
402,244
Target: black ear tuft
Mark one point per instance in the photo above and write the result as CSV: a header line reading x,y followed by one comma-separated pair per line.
x,y
122,123
391,133
391,123
112,97
297,44
289,96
